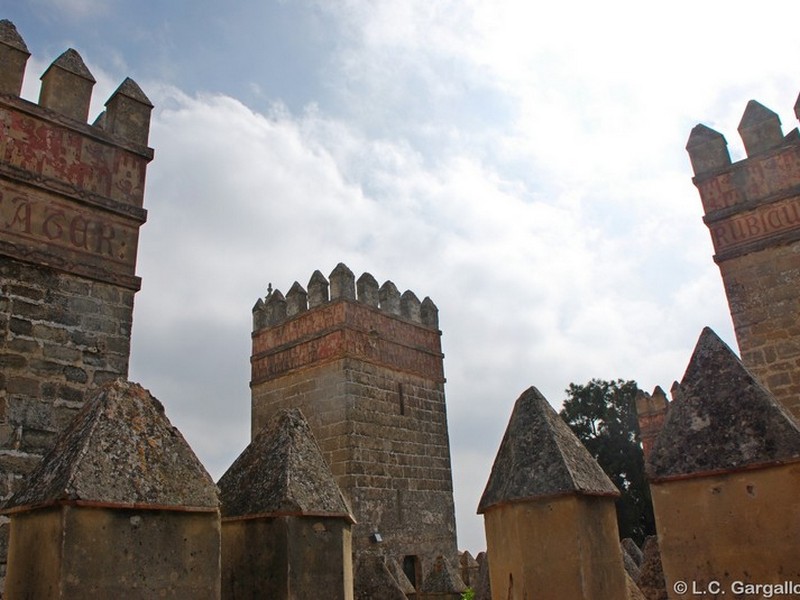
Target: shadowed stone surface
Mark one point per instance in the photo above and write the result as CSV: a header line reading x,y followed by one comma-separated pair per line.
x,y
483,589
631,568
629,546
71,61
442,579
540,456
651,577
120,450
723,419
282,472
400,577
132,90
634,593
374,580
469,568
10,36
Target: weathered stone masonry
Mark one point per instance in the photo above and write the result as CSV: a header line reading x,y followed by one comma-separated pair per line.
x,y
368,375
71,197
752,210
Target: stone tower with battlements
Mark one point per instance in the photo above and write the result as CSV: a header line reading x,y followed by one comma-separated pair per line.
x,y
364,364
71,196
752,209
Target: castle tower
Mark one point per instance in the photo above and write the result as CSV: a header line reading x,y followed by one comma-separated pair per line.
x,y
366,370
752,209
71,198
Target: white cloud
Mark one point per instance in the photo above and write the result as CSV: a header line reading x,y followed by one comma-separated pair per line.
x,y
530,291
520,163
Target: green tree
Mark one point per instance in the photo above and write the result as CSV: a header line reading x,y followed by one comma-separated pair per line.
x,y
603,416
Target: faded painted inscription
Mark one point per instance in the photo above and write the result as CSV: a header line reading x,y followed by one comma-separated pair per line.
x,y
37,146
755,179
71,233
763,222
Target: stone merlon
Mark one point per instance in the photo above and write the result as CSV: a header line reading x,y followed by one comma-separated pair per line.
x,y
13,56
760,128
708,150
341,285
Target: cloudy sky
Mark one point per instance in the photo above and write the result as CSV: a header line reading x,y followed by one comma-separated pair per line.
x,y
522,163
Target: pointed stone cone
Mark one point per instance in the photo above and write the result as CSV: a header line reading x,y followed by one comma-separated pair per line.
x,y
725,465
540,456
651,574
121,507
442,582
282,472
549,513
286,526
373,580
120,450
723,420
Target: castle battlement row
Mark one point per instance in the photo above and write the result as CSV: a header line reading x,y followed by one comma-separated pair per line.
x,y
67,90
73,193
759,192
342,285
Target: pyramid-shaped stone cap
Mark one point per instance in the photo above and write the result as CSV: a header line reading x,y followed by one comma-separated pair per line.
x,y
540,456
72,62
282,472
443,579
723,419
374,579
130,89
11,37
120,450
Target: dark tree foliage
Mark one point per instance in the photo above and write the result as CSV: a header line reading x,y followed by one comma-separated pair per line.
x,y
603,416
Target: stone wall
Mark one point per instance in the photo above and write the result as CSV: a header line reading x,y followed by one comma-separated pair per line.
x,y
71,197
752,210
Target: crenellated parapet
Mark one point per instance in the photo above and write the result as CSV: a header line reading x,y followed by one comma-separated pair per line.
x,y
752,210
342,285
363,361
71,193
755,202
340,316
